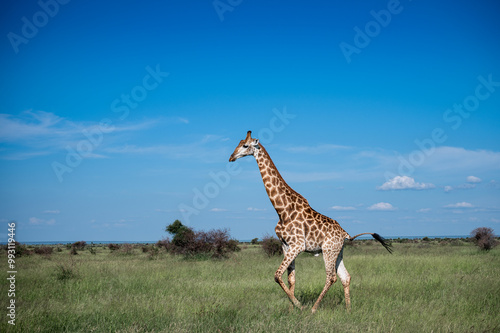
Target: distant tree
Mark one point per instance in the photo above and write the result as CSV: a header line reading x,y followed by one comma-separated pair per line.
x,y
214,243
174,227
484,238
182,235
255,241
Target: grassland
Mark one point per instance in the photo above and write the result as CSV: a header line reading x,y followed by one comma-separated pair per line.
x,y
424,287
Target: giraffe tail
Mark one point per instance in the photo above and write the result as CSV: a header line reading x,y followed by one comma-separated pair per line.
x,y
378,238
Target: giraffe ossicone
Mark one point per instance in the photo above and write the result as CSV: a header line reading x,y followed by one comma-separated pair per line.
x,y
300,228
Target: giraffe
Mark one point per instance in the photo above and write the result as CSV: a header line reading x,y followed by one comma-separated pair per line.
x,y
301,228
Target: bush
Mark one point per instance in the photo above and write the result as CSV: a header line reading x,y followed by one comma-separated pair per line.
x,y
44,250
484,238
272,246
80,245
113,247
127,249
165,243
20,250
211,244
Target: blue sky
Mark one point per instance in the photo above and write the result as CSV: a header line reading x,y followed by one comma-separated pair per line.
x,y
117,118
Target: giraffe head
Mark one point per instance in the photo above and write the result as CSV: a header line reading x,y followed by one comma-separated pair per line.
x,y
246,147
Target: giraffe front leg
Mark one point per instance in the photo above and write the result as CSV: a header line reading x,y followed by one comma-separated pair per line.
x,y
288,262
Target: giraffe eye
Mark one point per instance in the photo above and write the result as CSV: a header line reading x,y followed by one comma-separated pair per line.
x,y
245,146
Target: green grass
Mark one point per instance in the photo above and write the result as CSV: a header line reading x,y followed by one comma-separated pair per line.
x,y
420,288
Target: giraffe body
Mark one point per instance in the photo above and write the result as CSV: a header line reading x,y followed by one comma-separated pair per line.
x,y
300,228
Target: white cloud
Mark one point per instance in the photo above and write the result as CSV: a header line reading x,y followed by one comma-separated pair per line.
x,y
343,208
30,124
404,183
494,184
34,220
38,133
473,179
383,206
253,209
424,210
217,210
460,205
471,183
37,221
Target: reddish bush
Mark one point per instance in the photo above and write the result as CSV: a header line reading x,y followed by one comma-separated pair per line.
x,y
113,247
44,250
484,238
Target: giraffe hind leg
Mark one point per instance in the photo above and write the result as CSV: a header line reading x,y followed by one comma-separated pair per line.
x,y
330,258
291,277
291,281
345,278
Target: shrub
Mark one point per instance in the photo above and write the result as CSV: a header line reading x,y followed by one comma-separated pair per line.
x,y
165,243
272,246
20,250
113,247
44,250
127,249
254,241
484,238
66,271
80,245
211,244
232,245
153,254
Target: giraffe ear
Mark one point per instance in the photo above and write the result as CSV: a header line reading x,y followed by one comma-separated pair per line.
x,y
256,143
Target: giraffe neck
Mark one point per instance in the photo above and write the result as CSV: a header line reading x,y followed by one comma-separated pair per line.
x,y
282,196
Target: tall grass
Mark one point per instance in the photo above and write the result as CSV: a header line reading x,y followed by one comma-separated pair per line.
x,y
420,288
